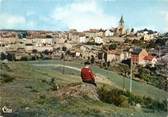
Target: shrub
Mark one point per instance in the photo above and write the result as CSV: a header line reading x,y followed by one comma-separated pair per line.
x,y
113,96
5,67
24,58
53,85
113,46
124,99
6,78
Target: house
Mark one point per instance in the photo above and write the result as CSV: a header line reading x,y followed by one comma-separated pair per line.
x,y
39,44
150,60
109,33
83,39
147,35
43,41
67,45
29,47
43,48
98,40
117,55
92,33
111,57
141,57
73,37
114,55
88,50
138,55
7,41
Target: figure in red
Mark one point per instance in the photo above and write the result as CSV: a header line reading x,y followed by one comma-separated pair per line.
x,y
87,75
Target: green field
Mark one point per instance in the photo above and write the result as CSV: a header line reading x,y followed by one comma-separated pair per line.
x,y
117,80
28,91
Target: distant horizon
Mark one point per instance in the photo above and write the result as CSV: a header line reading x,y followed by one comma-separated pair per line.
x,y
66,30
62,15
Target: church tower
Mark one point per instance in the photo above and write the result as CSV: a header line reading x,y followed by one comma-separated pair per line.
x,y
121,22
121,27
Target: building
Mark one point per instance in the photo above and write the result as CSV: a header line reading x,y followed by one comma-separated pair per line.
x,y
42,41
121,28
150,60
109,33
141,57
138,55
146,34
98,40
117,55
83,39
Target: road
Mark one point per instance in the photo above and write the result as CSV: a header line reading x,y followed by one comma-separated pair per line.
x,y
99,78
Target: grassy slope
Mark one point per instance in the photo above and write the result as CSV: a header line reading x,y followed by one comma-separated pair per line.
x,y
142,89
28,90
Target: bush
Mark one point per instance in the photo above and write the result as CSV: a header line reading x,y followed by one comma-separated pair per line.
x,y
5,67
145,74
24,58
3,56
6,78
113,46
113,96
124,99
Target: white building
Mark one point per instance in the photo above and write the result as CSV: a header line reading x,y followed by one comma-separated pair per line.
x,y
42,41
83,40
109,33
98,40
67,45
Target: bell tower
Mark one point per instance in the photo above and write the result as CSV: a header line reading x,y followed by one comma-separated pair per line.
x,y
121,22
121,27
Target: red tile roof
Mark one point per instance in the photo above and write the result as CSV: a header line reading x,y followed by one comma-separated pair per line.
x,y
149,57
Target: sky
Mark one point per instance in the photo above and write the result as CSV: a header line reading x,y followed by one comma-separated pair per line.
x,y
62,15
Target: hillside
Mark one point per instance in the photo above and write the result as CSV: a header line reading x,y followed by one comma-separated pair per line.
x,y
116,80
30,89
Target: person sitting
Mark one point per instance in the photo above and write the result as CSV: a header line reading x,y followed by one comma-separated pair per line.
x,y
87,75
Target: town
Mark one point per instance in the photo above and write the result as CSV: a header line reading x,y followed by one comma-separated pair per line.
x,y
40,72
108,48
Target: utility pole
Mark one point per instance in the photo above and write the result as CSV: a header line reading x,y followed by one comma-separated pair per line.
x,y
131,76
167,107
124,83
62,57
63,70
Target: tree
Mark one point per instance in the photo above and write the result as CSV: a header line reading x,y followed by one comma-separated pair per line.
x,y
49,36
113,46
100,55
34,51
46,52
10,56
132,30
64,48
105,56
124,69
3,56
92,60
145,74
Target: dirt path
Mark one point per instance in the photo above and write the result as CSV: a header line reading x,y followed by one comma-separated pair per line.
x,y
99,78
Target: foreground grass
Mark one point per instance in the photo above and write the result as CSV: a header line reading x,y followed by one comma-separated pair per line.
x,y
30,94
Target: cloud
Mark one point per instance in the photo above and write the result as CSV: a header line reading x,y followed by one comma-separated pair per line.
x,y
165,16
11,21
83,15
30,24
